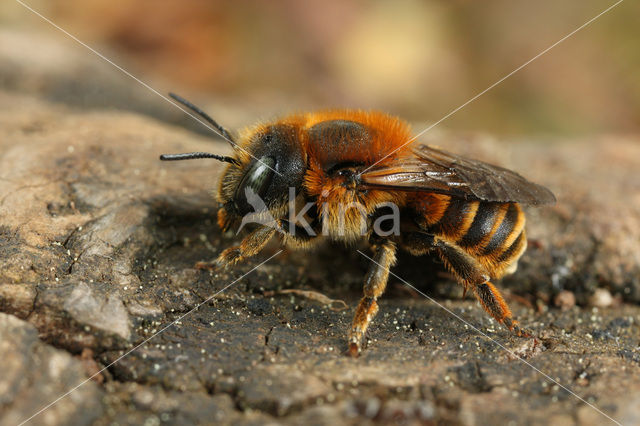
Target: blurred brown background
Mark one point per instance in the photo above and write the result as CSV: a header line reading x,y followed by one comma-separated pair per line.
x,y
415,59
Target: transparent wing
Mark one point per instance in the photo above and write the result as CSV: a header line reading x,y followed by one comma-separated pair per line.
x,y
433,170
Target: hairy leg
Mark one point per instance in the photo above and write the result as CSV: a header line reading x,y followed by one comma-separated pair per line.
x,y
471,274
253,243
250,246
374,285
493,302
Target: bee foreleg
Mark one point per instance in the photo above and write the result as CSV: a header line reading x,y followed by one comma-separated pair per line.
x,y
471,274
250,246
374,285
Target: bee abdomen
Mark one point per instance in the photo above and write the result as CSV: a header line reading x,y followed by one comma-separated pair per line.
x,y
483,223
507,227
497,233
457,218
485,229
492,231
514,251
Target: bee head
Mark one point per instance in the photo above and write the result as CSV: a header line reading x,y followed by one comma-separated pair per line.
x,y
267,168
259,176
266,164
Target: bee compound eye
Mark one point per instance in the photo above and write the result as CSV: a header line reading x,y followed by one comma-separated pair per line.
x,y
257,180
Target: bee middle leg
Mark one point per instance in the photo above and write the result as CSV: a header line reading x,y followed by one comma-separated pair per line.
x,y
471,274
374,285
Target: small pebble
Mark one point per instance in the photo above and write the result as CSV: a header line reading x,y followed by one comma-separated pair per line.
x,y
601,298
565,300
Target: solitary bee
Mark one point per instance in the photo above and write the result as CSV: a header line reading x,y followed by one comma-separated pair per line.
x,y
466,211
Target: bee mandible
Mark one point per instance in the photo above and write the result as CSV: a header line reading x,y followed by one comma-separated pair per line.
x,y
465,211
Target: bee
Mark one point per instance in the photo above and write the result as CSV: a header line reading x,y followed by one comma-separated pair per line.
x,y
465,211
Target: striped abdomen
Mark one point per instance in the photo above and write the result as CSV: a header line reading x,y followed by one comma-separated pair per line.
x,y
492,233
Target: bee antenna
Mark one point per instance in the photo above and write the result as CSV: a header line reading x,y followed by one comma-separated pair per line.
x,y
223,132
196,155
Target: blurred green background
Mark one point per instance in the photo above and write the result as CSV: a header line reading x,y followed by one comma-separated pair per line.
x,y
415,59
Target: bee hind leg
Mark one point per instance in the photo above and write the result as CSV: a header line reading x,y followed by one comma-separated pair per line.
x,y
472,275
374,285
493,302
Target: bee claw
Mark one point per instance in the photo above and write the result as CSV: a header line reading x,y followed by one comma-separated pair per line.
x,y
229,257
515,328
523,332
220,263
